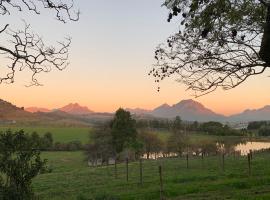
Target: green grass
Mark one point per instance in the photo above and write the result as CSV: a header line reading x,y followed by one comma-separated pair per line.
x,y
67,134
73,179
60,134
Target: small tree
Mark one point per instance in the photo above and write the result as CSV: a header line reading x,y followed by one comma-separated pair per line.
x,y
20,162
100,145
177,124
36,139
151,143
123,129
177,143
47,141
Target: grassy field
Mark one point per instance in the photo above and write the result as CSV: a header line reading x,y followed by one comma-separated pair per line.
x,y
60,134
73,179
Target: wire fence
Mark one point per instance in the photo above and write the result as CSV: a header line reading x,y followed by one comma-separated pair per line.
x,y
158,179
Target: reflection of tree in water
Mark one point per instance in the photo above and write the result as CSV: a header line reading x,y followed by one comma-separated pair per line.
x,y
227,145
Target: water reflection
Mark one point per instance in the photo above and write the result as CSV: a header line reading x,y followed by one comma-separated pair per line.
x,y
244,148
229,147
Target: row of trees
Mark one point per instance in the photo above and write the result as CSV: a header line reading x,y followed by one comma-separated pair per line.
x,y
257,125
166,124
211,128
264,131
120,140
46,143
263,127
217,128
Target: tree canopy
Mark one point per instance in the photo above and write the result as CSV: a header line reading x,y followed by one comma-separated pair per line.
x,y
27,50
123,129
221,43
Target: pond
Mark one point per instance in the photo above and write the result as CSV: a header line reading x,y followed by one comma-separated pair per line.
x,y
254,146
242,147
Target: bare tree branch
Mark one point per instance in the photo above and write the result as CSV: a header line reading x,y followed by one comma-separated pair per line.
x,y
63,11
27,50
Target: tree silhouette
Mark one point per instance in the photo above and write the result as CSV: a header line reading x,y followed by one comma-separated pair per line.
x,y
221,43
27,50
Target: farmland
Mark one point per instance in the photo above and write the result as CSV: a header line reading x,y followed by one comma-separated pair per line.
x,y
60,134
71,178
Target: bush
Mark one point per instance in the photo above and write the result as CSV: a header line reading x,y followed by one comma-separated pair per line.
x,y
71,146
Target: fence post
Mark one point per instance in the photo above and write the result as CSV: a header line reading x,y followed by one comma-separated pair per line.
x,y
115,169
161,182
249,164
223,162
202,159
127,168
141,172
251,154
187,161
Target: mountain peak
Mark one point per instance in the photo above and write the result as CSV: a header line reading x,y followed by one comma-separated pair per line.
x,y
165,105
188,110
189,102
76,109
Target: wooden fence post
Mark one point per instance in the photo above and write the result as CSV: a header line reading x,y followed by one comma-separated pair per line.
x,y
202,159
249,164
141,172
115,169
127,168
223,162
251,154
161,182
187,159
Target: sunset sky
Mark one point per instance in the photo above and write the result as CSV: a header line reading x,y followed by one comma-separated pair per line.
x,y
112,51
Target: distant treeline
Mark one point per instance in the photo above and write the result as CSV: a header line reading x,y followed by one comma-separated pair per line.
x,y
263,127
46,143
210,128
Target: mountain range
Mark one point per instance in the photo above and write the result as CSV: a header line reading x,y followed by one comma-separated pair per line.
x,y
191,110
72,108
74,113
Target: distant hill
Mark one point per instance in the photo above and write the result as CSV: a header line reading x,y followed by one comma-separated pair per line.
x,y
37,109
9,111
260,114
76,109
